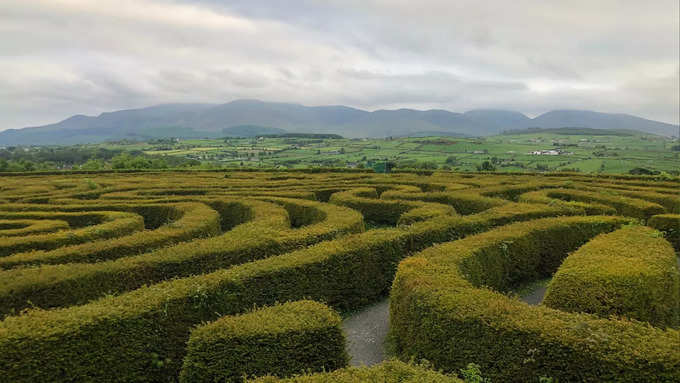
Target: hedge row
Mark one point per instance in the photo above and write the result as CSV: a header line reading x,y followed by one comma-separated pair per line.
x,y
103,225
195,220
75,343
267,233
280,340
365,200
671,202
626,206
23,227
386,372
631,272
443,308
464,202
669,224
585,208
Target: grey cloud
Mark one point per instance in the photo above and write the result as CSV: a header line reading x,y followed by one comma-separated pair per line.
x,y
61,57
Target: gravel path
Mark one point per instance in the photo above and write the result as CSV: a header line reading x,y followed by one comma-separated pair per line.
x,y
535,297
366,333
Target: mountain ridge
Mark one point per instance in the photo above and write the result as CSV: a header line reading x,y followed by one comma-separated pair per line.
x,y
192,120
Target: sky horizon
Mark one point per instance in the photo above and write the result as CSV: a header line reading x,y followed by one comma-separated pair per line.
x,y
66,57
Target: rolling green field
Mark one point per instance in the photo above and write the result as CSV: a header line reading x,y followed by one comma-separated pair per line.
x,y
507,153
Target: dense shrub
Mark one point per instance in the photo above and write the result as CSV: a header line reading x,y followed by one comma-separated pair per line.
x,y
442,311
280,340
346,273
669,224
24,227
207,248
386,372
268,233
631,272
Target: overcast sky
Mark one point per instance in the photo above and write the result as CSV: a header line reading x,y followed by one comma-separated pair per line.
x,y
65,57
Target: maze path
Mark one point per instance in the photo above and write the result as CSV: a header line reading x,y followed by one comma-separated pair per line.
x,y
129,264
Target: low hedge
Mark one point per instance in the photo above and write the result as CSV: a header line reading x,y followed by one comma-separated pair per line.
x,y
671,202
195,220
631,272
366,201
22,227
391,371
443,308
464,202
587,208
280,340
152,323
103,225
626,206
669,224
268,233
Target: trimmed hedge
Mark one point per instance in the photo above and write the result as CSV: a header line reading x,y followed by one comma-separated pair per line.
x,y
280,340
268,233
443,309
464,202
373,209
587,208
195,221
21,227
631,272
103,225
391,371
669,224
75,343
626,206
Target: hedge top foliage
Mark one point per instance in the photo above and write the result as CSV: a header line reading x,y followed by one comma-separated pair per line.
x,y
447,284
206,244
391,371
631,272
295,316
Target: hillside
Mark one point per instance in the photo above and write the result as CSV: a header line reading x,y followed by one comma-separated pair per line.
x,y
209,121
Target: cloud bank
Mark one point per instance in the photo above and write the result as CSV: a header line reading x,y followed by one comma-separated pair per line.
x,y
65,57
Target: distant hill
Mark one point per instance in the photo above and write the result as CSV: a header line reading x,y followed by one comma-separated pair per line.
x,y
571,131
211,120
596,120
250,131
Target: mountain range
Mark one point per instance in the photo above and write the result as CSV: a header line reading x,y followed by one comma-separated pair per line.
x,y
254,117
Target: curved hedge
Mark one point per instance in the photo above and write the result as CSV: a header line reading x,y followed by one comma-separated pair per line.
x,y
629,207
439,310
23,227
208,247
386,372
669,224
99,225
631,272
195,221
346,273
281,340
266,234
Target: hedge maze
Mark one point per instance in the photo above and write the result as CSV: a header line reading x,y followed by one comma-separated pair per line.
x,y
207,276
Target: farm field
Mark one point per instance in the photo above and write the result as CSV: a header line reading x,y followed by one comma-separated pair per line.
x,y
613,153
202,276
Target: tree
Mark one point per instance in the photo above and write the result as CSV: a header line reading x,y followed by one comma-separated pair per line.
x,y
486,166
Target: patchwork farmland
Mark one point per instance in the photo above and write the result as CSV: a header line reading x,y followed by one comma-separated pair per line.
x,y
213,276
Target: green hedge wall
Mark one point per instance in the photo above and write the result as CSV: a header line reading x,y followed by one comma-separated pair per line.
x,y
669,224
268,233
181,222
386,372
151,324
631,272
443,308
280,340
